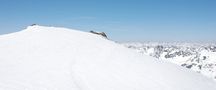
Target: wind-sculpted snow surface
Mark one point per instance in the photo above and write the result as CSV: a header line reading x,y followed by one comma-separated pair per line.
x,y
200,57
51,58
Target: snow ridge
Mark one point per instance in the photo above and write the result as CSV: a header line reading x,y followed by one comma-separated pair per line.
x,y
53,58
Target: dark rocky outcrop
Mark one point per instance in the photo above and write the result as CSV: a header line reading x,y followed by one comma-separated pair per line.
x,y
33,25
99,33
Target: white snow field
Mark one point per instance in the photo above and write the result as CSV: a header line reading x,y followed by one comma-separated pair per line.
x,y
52,58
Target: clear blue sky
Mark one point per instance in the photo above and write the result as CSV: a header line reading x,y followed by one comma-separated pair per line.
x,y
122,20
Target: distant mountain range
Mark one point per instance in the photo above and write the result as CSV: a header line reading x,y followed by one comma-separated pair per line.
x,y
200,57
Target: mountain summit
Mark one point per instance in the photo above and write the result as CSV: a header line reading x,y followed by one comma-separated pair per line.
x,y
53,58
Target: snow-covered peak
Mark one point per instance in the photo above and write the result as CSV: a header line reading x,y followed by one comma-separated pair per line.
x,y
53,58
36,27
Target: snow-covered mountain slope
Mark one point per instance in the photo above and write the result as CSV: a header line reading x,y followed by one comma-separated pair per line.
x,y
51,58
200,57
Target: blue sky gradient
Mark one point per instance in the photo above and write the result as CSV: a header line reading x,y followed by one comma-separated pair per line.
x,y
122,20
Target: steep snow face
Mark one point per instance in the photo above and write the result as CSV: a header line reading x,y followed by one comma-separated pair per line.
x,y
199,57
50,58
